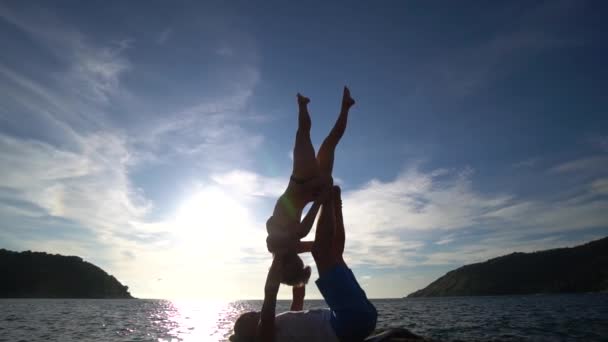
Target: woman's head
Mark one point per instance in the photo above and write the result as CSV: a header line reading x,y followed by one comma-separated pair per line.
x,y
293,271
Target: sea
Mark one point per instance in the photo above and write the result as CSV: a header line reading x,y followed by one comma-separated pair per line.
x,y
576,317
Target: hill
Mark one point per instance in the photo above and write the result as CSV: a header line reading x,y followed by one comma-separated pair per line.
x,y
578,269
41,275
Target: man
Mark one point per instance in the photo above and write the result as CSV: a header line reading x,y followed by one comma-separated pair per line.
x,y
350,317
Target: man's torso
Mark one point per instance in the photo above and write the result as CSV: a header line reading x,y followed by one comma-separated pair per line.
x,y
309,325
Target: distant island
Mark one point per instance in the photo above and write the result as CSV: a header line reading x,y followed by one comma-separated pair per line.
x,y
41,275
564,270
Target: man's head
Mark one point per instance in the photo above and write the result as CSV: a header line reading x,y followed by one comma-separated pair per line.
x,y
245,327
293,271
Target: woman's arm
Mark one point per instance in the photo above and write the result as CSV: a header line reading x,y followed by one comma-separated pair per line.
x,y
266,327
304,247
306,225
297,301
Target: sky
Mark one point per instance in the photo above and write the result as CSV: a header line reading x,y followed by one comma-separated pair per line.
x,y
153,138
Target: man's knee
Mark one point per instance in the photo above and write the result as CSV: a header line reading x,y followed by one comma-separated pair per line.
x,y
356,323
360,325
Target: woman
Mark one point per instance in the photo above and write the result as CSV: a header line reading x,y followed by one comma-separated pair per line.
x,y
309,177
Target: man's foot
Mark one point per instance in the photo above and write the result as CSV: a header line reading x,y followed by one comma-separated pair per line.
x,y
347,101
302,100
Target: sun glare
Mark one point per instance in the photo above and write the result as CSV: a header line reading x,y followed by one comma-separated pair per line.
x,y
211,221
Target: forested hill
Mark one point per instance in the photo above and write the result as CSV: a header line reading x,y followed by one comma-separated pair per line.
x,y
41,275
578,269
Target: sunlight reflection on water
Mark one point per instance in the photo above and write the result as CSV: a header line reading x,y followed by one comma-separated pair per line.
x,y
196,320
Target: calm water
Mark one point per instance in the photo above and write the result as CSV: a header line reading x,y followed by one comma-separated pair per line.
x,y
513,318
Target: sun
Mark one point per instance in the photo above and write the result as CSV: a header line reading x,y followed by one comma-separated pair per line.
x,y
211,221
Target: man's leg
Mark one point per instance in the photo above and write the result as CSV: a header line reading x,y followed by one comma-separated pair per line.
x,y
339,235
325,156
354,316
321,248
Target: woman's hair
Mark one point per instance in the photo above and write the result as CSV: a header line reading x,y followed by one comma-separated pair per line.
x,y
293,271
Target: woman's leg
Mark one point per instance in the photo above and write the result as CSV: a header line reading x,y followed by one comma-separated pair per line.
x,y
325,157
304,161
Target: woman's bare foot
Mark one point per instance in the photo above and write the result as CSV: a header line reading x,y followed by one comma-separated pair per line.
x,y
347,101
302,100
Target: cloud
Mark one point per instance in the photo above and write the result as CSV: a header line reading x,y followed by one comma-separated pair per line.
x,y
498,245
458,72
389,224
594,163
600,186
380,215
93,71
527,163
98,70
89,186
444,241
206,133
419,201
248,183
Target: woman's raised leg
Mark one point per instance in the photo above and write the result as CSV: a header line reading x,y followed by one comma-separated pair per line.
x,y
325,156
304,161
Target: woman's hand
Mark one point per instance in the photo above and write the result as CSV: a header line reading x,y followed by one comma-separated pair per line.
x,y
273,280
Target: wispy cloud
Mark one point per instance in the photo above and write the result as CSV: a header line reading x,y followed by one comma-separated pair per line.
x,y
89,185
248,183
390,222
458,72
93,71
589,164
527,163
